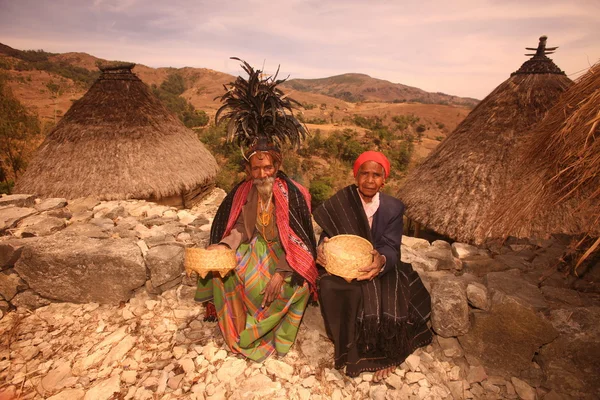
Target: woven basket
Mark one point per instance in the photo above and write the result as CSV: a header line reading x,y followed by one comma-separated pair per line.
x,y
204,261
345,254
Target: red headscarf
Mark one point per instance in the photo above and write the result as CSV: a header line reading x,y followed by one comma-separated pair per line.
x,y
376,156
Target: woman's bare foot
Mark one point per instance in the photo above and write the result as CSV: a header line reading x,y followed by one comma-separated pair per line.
x,y
383,373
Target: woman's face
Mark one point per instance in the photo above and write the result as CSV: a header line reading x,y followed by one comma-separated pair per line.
x,y
370,178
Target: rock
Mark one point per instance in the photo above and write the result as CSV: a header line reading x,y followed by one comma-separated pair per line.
x,y
413,377
10,284
10,216
231,369
39,225
69,394
67,268
480,266
280,369
165,263
563,296
103,223
120,350
129,377
116,212
316,350
105,389
510,284
505,339
457,389
443,255
87,230
569,360
185,217
463,250
414,243
29,299
10,251
55,379
413,362
450,347
476,374
313,319
524,391
17,200
477,295
51,204
258,386
449,309
83,204
394,381
187,364
418,260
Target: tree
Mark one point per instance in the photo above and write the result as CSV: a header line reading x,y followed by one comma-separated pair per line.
x,y
18,134
56,90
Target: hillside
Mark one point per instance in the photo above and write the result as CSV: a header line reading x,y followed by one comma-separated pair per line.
x,y
47,84
361,87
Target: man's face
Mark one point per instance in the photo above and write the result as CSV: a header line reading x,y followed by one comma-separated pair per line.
x,y
370,178
261,166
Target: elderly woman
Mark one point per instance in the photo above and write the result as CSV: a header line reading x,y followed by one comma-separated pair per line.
x,y
378,320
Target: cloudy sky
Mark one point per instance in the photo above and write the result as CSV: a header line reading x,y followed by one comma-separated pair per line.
x,y
461,47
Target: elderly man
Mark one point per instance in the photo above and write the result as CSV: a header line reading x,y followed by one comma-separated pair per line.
x,y
376,321
266,220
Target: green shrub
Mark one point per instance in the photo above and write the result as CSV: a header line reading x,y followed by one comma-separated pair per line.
x,y
319,190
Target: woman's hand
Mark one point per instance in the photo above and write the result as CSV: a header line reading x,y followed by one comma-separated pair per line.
x,y
371,271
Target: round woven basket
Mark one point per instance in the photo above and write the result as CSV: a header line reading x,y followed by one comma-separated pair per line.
x,y
204,261
345,254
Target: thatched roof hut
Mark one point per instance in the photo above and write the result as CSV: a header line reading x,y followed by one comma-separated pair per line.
x,y
119,142
558,187
451,191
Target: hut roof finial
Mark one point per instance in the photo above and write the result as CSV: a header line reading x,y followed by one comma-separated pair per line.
x,y
539,63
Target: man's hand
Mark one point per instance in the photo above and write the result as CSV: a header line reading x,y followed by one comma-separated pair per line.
x,y
374,269
321,260
217,246
272,290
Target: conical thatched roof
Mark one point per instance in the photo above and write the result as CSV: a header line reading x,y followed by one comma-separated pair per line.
x,y
119,142
452,189
559,170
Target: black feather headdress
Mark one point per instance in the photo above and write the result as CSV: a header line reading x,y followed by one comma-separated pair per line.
x,y
259,113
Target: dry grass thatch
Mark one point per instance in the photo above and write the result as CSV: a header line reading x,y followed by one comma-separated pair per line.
x,y
119,142
451,191
558,190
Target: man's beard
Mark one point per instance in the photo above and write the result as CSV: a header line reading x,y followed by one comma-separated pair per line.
x,y
264,186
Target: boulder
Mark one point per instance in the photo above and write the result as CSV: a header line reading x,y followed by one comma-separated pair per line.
x,y
482,265
83,204
414,243
463,250
449,309
10,216
29,299
82,270
39,225
477,294
165,263
443,256
17,200
511,284
506,338
418,260
10,284
564,296
86,230
572,361
51,204
10,251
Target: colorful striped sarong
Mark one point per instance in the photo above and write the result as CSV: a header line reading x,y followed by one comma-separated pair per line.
x,y
247,328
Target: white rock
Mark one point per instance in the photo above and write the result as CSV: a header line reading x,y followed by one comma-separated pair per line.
x,y
188,365
120,350
129,377
415,243
413,362
220,355
394,381
231,369
280,369
309,381
185,217
105,389
413,377
179,351
463,250
55,379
